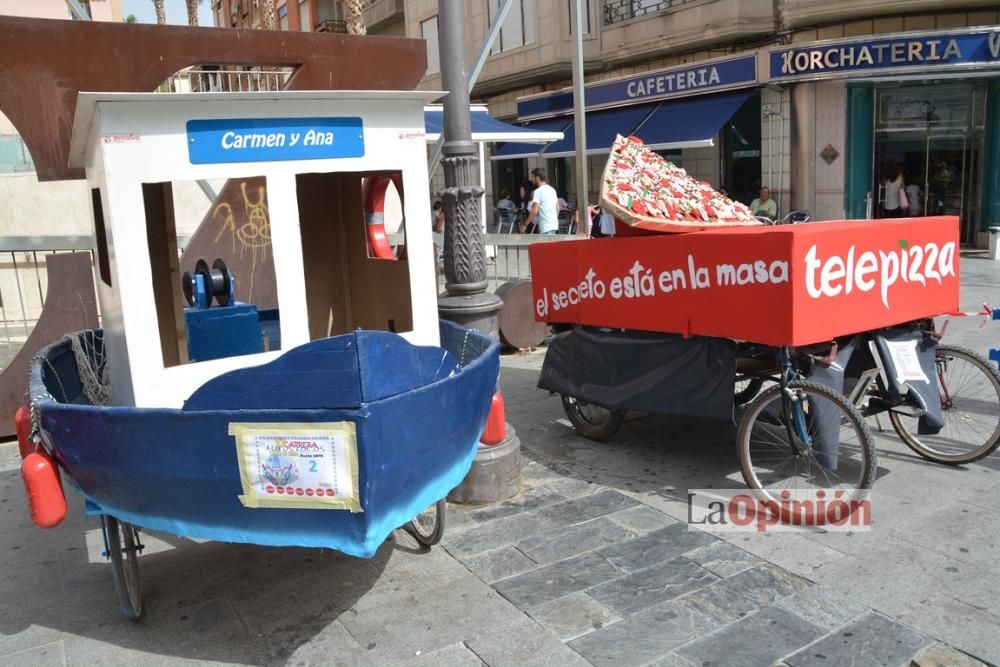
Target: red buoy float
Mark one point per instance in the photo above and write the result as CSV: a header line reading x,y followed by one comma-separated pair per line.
x,y
22,424
378,241
496,422
43,488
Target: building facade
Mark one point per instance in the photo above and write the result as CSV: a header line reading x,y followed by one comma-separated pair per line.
x,y
383,17
817,100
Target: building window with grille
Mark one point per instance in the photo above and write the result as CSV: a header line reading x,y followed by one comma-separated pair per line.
x,y
429,31
518,28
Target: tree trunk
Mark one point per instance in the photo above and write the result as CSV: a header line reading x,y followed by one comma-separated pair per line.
x,y
354,15
161,15
192,7
268,15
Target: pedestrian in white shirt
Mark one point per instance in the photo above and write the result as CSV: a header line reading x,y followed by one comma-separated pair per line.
x,y
544,205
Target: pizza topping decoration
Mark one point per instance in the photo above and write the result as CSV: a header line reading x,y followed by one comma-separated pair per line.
x,y
640,187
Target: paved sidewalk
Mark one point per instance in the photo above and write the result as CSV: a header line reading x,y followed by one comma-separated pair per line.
x,y
591,564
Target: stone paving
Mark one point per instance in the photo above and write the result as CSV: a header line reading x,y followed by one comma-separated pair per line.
x,y
592,563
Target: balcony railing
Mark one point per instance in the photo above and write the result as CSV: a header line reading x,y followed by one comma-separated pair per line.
x,y
228,79
617,11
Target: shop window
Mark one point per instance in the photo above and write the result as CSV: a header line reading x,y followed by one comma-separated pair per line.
x,y
740,145
101,237
919,107
510,175
429,31
230,247
518,28
349,283
672,155
560,176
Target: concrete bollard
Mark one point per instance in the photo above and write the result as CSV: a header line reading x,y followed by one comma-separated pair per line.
x,y
495,474
995,243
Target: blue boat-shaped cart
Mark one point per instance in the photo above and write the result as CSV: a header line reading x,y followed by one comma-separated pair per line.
x,y
326,420
418,413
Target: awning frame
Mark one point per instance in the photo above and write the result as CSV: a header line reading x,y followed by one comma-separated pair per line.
x,y
528,136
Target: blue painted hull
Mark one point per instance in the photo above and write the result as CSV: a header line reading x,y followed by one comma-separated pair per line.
x,y
176,470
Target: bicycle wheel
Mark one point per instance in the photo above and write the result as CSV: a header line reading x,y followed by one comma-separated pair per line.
x,y
122,540
746,389
970,404
592,421
771,465
428,527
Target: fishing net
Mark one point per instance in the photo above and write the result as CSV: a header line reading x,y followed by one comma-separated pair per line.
x,y
91,363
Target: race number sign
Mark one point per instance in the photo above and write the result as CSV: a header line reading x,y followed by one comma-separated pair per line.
x,y
305,466
776,285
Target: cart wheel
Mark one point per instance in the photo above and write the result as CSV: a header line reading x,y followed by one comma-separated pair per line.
x,y
592,421
770,463
747,389
123,548
970,404
428,527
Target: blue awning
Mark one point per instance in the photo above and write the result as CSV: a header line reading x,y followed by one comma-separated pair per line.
x,y
519,149
690,122
486,128
602,128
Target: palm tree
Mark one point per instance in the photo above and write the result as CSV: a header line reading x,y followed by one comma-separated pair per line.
x,y
161,15
192,7
355,17
268,15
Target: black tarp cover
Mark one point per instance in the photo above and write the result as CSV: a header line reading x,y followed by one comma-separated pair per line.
x,y
644,371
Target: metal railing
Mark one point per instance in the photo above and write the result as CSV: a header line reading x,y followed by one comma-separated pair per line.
x,y
506,256
24,283
617,11
24,279
14,155
228,79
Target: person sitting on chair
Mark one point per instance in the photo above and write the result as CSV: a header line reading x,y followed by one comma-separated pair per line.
x,y
505,210
764,206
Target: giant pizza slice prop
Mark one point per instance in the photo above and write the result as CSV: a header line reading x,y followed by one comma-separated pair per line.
x,y
643,190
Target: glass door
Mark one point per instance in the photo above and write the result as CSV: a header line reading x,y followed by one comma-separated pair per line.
x,y
944,175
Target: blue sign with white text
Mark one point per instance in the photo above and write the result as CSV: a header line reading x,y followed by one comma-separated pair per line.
x,y
924,52
703,77
274,139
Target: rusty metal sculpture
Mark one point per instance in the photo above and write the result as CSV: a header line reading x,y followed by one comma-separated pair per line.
x,y
46,63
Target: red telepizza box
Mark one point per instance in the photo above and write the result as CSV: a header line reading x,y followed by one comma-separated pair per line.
x,y
777,285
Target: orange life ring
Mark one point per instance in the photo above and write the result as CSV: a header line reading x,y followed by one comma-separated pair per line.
x,y
374,190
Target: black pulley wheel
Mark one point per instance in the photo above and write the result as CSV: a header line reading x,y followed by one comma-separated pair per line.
x,y
187,287
201,269
220,282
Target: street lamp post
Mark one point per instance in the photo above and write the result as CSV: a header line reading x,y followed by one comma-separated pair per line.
x,y
496,470
467,301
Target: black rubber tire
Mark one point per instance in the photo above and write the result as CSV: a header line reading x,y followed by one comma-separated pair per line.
x,y
924,449
748,392
432,535
123,551
601,430
866,443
